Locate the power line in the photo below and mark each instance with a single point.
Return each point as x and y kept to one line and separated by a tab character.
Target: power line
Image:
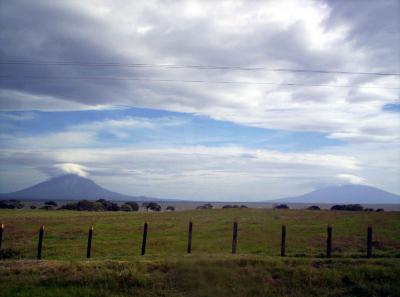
146	79
176	66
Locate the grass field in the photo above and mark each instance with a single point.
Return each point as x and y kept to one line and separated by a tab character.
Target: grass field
117	269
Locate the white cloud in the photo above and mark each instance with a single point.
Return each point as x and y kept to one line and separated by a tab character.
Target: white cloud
195	172
352	179
285	34
66	168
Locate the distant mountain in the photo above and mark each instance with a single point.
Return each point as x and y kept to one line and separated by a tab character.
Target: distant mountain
69	187
345	194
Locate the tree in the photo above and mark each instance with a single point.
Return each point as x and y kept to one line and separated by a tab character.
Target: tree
11	204
52	203
281	206
126	207
134	205
314	207
108	205
152	206
349	207
205	206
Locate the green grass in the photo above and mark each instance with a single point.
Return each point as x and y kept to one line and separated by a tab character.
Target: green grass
117	269
118	235
199	276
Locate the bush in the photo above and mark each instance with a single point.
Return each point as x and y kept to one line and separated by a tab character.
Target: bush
380	210
152	206
133	205
170	208
314	207
205	206
33	207
11	204
52	203
231	206
281	206
84	205
108	205
243	206
349	207
47	207
126	207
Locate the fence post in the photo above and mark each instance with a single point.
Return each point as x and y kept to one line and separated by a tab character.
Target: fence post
369	242
89	243
40	242
1	234
329	242
144	239
189	246
283	241
234	239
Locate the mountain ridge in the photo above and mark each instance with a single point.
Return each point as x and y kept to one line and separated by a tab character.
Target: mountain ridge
69	187
345	194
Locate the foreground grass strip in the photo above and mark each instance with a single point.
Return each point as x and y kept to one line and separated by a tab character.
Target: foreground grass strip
202	276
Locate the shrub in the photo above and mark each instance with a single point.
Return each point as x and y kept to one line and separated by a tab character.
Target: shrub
52	203
152	206
243	206
281	206
33	206
84	205
108	205
231	206
11	204
349	207
133	205
47	207
205	206
126	207
170	208
380	209
314	207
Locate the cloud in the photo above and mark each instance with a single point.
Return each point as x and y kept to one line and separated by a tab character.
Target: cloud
65	168
195	172
270	34
359	36
351	179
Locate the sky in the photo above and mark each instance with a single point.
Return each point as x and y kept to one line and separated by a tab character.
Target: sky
202	100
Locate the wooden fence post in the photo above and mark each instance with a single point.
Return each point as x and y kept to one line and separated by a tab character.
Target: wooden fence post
283	241
234	238
1	234
40	242
144	239
89	243
369	242
189	246
329	242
